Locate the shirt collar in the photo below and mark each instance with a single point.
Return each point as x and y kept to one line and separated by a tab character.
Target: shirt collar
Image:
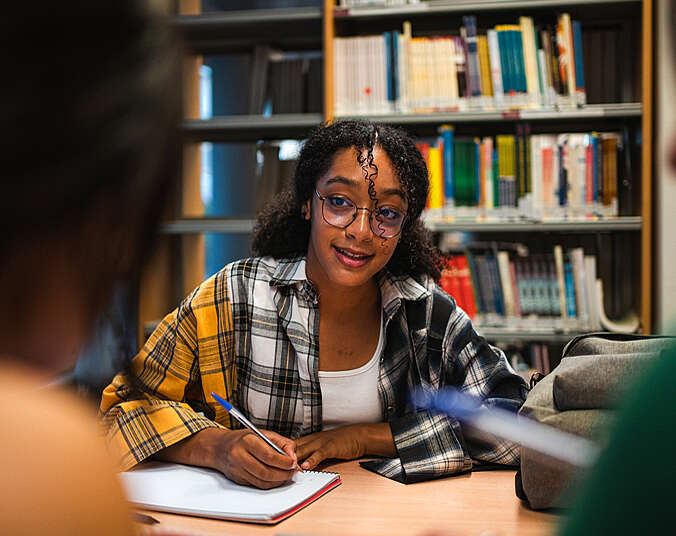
392	288
398	288
289	272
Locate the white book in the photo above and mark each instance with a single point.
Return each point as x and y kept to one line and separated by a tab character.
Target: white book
558	262
196	491
403	106
449	58
406	71
570	64
590	282
339	87
496	71
536	176
579	279
530	60
506	282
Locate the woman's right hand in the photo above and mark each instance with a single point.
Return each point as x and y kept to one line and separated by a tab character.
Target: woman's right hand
240	455
246	459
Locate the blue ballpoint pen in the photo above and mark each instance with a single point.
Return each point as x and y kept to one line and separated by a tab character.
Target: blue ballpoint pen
234	412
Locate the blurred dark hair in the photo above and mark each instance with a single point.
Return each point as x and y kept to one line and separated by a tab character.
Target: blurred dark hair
90	135
281	232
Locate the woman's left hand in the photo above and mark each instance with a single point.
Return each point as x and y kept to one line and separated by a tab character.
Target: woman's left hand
345	443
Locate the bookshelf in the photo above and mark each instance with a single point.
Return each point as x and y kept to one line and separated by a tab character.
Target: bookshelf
636	115
317	27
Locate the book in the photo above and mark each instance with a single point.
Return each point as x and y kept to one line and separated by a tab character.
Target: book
196	491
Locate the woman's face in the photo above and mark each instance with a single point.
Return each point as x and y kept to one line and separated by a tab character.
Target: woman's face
351	256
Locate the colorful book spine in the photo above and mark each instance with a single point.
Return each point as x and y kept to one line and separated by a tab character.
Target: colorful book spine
473	69
448	165
484	66
494	57
580	92
436	174
569	282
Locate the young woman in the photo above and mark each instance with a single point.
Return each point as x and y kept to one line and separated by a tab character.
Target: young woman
319	338
80	205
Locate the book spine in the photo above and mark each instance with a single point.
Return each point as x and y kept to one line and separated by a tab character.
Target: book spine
436	178
473	70
570	290
560	279
466	289
449	165
387	40
494	274
484	66
496	69
580	91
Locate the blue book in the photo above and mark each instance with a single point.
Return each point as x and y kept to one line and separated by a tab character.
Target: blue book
486	287
570	289
396	90
449	164
387	36
505	63
474	74
579	64
520	63
496	285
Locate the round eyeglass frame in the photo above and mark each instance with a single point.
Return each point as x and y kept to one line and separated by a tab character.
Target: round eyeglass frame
354	217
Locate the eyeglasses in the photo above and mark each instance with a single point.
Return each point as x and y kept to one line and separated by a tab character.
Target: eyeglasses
339	211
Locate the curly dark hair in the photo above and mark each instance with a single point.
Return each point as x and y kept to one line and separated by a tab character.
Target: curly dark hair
281	232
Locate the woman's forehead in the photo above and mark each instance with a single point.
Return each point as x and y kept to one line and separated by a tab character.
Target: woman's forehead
346	164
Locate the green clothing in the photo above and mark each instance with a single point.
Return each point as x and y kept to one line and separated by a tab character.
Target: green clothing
631	489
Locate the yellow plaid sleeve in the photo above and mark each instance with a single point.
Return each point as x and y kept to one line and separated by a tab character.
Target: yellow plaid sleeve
151	405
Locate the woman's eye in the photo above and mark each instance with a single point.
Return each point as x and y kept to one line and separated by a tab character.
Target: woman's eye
390	213
339	202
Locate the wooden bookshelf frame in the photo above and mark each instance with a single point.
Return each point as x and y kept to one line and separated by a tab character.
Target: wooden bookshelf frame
647	168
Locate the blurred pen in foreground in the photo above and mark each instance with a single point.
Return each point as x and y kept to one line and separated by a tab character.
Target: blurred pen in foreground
574	450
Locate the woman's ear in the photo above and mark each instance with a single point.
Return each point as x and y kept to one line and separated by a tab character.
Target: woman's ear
305	210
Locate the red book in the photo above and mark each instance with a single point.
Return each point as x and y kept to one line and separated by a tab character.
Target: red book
465	282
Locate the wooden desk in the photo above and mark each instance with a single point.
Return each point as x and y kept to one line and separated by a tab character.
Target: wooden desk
369	504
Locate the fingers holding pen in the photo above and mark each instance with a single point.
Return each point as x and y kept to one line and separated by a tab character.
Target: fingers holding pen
246	459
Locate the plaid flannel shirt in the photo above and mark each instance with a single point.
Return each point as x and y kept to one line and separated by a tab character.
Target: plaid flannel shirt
251	333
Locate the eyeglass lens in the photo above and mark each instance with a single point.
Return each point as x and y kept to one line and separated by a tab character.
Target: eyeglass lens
340	212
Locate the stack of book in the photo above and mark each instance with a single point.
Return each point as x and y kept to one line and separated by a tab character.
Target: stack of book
510	66
539	176
285	82
542	292
374	3
274	172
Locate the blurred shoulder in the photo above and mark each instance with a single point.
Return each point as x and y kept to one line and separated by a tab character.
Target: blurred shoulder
58	478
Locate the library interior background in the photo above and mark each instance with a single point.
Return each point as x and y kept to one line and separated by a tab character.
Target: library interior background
545	127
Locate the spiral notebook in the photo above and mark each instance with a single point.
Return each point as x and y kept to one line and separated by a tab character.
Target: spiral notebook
195	491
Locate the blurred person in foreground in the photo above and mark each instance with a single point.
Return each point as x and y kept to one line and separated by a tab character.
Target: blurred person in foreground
90	147
631	488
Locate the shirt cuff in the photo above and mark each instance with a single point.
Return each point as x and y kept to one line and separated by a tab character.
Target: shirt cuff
137	430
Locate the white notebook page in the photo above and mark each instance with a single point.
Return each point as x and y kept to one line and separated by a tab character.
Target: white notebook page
204	492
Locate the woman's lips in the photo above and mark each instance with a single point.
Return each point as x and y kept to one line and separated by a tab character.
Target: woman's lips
351	258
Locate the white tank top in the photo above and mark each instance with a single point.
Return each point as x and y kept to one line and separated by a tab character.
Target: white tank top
351	396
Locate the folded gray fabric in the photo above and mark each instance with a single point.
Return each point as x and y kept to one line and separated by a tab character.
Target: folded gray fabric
613	344
543	479
596	382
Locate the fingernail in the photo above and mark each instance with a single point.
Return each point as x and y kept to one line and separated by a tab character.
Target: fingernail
306	465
